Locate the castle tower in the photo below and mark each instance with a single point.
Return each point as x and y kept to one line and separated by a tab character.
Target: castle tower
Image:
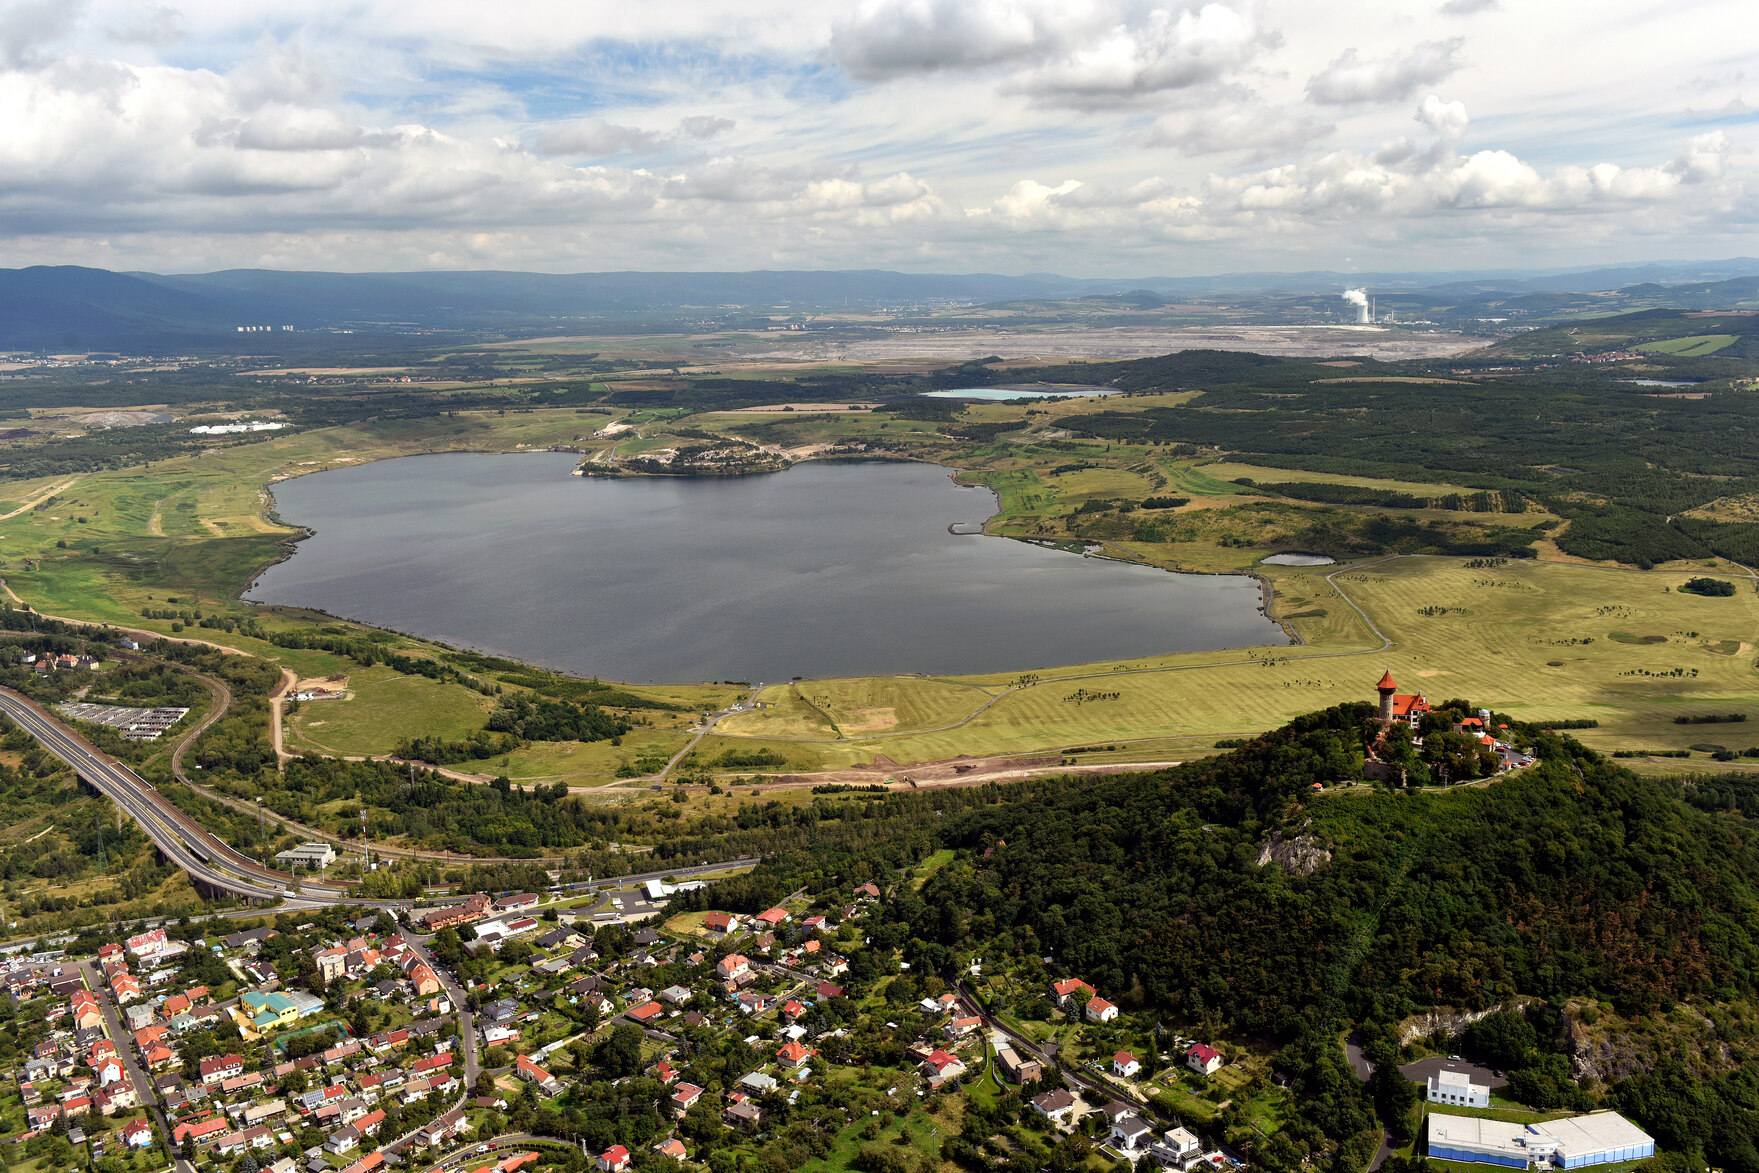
1387	688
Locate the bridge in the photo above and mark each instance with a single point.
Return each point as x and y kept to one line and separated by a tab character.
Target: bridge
216	867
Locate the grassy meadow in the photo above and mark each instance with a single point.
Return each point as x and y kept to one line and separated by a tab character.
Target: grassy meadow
1538	641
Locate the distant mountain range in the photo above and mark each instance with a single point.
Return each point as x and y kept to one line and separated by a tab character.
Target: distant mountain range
64	308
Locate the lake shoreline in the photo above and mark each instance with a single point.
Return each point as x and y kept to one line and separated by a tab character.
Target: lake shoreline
1183	619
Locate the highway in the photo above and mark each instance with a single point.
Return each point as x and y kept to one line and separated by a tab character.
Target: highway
210	862
116	782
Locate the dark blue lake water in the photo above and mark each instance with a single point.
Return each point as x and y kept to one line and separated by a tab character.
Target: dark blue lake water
823	570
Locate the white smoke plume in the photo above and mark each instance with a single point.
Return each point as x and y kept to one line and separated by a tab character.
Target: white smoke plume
1359	299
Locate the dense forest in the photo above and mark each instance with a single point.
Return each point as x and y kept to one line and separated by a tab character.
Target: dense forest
1582	441
1572	880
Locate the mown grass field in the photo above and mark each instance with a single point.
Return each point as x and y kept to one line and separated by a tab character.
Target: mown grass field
1533	640
384	707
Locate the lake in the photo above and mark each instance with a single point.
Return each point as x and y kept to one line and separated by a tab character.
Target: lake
1023	391
824	570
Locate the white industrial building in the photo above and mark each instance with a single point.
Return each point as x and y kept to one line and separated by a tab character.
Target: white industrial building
312	855
1599	1138
1457	1088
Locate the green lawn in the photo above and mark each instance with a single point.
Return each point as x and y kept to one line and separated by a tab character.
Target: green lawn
386	706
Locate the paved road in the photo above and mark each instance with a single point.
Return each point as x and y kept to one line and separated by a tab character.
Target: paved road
125	1050
122	787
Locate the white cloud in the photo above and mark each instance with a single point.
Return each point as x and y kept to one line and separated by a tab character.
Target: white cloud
1253	128
893	38
1165	51
1349	80
702	126
1468	7
1078	135
596	137
27	26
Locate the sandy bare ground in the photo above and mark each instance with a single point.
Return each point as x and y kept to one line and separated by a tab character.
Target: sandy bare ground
1129	342
40	498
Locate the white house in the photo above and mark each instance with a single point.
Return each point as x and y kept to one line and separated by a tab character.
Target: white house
1457	1088
1099	1010
1124	1065
1204	1059
1130	1133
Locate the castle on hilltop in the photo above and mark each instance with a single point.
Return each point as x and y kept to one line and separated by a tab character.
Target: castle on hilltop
1408	707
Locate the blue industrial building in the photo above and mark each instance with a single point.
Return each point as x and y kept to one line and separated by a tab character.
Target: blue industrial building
1599	1138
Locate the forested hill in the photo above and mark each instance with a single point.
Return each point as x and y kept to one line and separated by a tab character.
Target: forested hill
1574	877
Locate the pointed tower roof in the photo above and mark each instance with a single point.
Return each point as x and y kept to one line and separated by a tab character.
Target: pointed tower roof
1386	683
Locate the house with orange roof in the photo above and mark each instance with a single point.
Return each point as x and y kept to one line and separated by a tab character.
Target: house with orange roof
1066	990
1406	707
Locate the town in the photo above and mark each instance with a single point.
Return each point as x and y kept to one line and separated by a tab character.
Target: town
512	1032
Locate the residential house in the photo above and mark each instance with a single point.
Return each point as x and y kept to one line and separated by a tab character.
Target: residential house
771	917
525	1069
1177	1147
721	922
201	1131
732	966
443	1127
218	1068
138	1134
1204	1059
614	1159
744	1115
1066	992
1054	1105
941	1066
793	1055
453	915
1099	1010
1130	1133
1125	1065
684	1097
958	1028
672	1147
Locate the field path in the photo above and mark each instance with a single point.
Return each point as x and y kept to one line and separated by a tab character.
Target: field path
40	498
156	523
289	678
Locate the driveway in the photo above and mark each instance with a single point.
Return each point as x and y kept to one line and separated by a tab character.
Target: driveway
1420	1071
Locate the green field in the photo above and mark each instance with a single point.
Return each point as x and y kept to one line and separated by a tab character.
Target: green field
384	706
1503	638
1693	347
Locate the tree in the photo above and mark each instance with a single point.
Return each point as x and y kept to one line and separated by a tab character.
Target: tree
619	1053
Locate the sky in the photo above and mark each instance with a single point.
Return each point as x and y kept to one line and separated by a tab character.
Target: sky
1099	138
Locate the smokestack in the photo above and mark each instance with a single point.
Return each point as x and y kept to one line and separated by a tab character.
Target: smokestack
1359	299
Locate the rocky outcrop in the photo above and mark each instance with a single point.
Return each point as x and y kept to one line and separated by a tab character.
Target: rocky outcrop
1300	855
1452	1022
